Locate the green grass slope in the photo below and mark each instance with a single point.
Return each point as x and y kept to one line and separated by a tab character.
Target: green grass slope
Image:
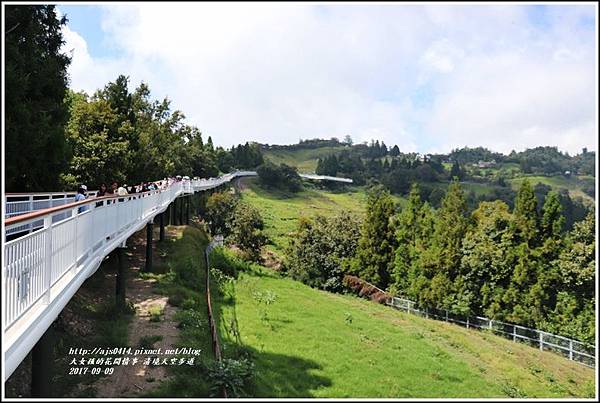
305	159
310	343
281	210
573	184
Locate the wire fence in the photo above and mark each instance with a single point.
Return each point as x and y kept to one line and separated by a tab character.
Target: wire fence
572	349
216	242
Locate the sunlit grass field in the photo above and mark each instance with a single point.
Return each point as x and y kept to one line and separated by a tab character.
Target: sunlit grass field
572	184
311	343
305	160
281	210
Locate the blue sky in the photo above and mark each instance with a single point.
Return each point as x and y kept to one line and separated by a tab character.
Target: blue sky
426	77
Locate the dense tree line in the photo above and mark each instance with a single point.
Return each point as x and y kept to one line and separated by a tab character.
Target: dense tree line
516	264
120	135
468	155
56	138
280	176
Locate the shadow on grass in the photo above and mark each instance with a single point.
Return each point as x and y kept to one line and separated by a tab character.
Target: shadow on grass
279	375
275	375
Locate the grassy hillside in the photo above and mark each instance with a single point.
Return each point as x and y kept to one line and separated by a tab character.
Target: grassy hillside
572	184
305	160
310	343
281	210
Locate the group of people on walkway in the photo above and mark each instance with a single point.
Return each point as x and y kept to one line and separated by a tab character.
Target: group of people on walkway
123	190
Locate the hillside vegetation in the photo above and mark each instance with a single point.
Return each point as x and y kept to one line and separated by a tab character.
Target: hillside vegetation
304	159
281	210
310	343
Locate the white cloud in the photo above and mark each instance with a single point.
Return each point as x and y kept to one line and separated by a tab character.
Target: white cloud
277	73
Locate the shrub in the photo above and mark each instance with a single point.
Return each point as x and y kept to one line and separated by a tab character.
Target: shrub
191	318
246	231
219	212
233	375
318	248
227	262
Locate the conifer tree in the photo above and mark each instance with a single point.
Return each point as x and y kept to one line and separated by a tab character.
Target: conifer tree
36	85
374	255
407	233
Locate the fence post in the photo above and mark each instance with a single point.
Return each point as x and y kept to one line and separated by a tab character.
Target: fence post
541	341
426	314
570	349
446	314
491	324
514	333
467	322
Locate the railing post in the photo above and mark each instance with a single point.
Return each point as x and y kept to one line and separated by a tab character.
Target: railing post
514	333
48	257
491	324
446	314
467	322
541	341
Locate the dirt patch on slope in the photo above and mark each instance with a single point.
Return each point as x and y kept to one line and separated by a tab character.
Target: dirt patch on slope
133	380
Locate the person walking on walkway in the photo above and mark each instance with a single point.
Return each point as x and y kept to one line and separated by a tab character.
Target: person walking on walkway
81	195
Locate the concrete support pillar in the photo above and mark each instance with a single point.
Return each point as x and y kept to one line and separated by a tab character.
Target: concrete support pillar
149	235
121	278
161	233
188	201
42	357
181	200
174	212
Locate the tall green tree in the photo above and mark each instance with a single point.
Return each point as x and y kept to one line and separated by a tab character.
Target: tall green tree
35	109
101	151
526	215
408	228
449	231
524	296
488	257
574	310
375	252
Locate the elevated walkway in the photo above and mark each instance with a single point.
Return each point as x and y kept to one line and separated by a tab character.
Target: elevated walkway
61	246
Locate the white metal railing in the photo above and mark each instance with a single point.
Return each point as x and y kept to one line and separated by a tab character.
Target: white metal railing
47	260
22	203
573	349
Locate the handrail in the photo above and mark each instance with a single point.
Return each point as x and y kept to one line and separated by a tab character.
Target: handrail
68	206
66	244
